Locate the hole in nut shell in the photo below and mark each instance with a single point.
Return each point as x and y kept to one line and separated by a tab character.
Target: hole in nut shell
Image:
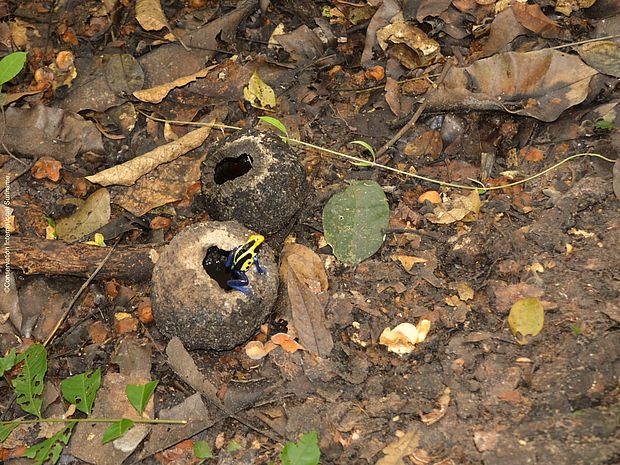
232	168
214	264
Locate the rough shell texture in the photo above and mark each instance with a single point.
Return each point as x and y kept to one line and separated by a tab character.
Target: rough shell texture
189	304
266	197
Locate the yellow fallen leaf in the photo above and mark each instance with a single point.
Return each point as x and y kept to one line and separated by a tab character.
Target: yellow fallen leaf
150	15
259	94
526	318
465	291
158	93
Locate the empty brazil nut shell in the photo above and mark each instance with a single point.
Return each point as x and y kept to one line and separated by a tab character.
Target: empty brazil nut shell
191	300
256	179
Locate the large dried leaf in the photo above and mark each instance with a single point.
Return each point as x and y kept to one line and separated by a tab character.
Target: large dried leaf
603	56
396	451
308	317
126	174
44	131
532	18
158	93
90	216
541	84
504	29
408	44
150	15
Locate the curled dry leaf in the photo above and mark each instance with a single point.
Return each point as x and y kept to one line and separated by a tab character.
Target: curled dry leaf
403	338
150	15
437	414
407	261
286	342
158	93
459	208
408	44
129	172
256	350
532	18
46	168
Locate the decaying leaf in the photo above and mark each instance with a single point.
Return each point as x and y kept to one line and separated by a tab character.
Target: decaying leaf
526	318
129	172
308	317
403	338
459	208
90	216
532	18
286	342
46	167
257	350
150	15
407	261
396	451
408	44
437	414
603	56
259	94
158	93
307	265
541	84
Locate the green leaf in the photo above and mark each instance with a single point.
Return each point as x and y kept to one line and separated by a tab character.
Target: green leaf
526	318
368	147
98	241
233	446
81	390
6	429
28	385
604	124
274	122
51	448
354	220
305	452
11	65
7	362
139	394
116	430
202	450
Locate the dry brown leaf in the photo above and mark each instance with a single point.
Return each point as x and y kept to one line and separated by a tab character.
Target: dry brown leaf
465	291
150	15
459	208
46	167
308	315
603	56
408	44
158	93
407	261
437	414
396	451
541	84
403	338
504	29
129	172
532	18
308	267
286	342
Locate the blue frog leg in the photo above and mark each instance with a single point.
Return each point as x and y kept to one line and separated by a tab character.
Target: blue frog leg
240	282
261	270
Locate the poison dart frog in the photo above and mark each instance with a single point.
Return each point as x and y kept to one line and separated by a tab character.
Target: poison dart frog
241	259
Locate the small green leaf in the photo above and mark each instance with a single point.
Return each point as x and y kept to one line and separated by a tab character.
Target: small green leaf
305	452
233	446
139	394
604	124
81	390
28	384
99	240
368	147
51	448
274	122
6	429
7	362
354	220
11	65
526	318
202	450
116	430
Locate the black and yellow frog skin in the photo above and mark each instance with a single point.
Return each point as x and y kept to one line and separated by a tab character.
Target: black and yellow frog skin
241	259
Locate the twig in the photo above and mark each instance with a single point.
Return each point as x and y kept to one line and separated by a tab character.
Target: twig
418	113
79	292
587	41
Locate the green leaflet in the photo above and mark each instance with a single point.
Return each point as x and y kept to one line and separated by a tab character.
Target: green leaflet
139	394
353	221
28	385
81	390
305	452
116	430
51	448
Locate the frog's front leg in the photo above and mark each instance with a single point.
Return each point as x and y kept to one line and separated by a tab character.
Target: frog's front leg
240	282
261	270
